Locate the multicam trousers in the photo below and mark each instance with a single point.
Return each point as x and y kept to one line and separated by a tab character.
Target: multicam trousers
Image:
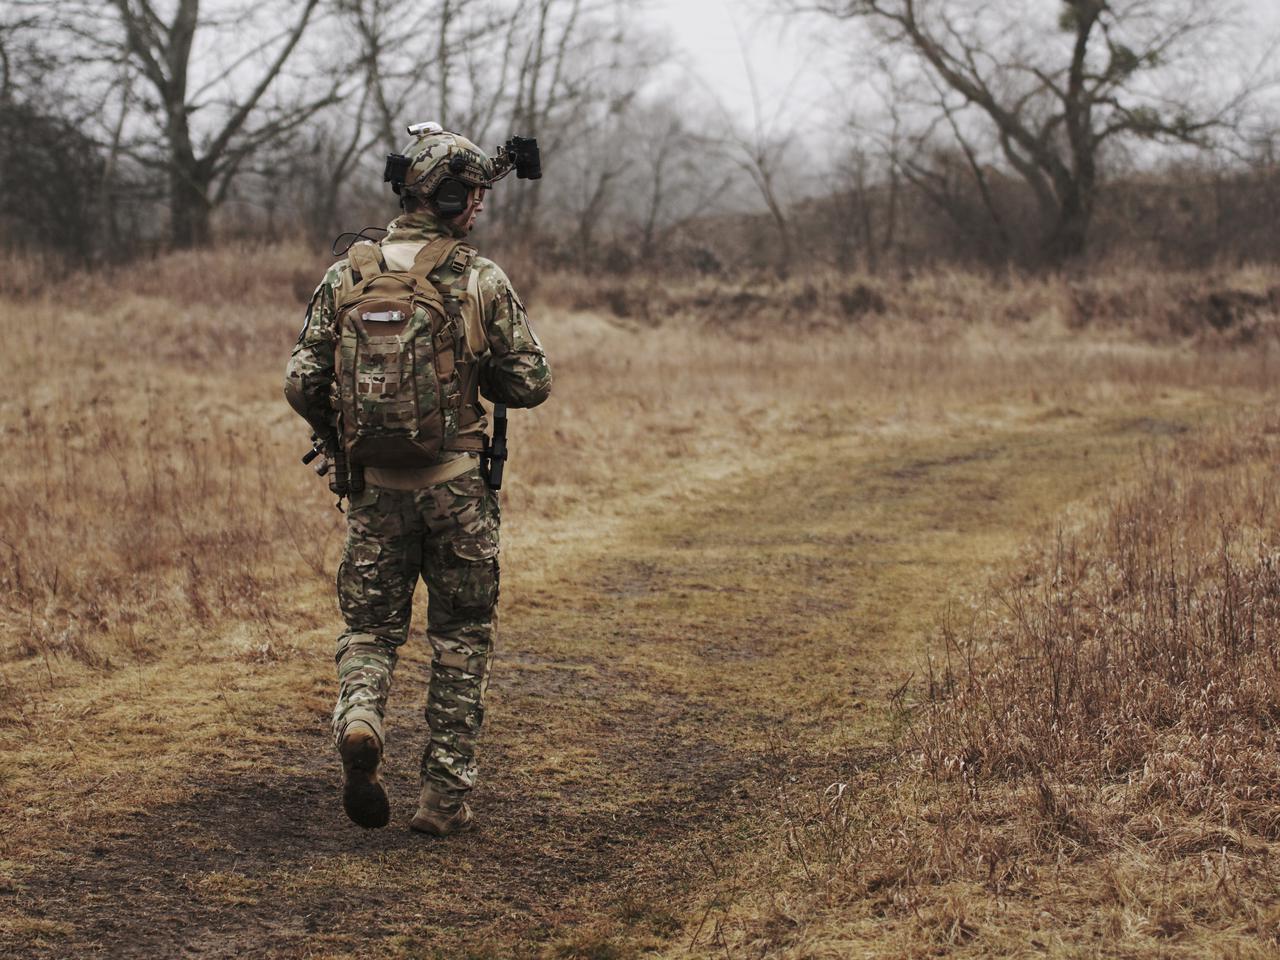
448	535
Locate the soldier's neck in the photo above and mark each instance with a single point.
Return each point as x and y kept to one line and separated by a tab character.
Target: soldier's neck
420	225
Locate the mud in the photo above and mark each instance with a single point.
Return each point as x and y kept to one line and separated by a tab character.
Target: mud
142	892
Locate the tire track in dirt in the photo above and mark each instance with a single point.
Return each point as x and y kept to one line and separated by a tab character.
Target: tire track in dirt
651	695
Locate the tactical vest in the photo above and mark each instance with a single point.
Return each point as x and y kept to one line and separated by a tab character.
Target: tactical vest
407	383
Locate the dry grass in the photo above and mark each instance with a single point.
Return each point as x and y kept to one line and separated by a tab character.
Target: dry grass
165	581
1235	306
1096	767
150	481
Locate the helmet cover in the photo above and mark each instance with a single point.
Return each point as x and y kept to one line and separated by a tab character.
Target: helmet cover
436	154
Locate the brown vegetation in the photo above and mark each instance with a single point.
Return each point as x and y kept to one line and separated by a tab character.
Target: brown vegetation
748	478
1095	766
1210	309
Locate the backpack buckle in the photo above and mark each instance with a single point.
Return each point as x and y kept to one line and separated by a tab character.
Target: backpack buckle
461	260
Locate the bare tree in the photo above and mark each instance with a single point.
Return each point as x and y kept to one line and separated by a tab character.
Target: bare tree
541	85
208	101
460	85
941	159
1057	96
602	141
761	149
50	166
676	178
565	71
380	28
864	206
762	157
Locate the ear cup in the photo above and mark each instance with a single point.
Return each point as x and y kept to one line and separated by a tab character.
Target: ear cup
450	198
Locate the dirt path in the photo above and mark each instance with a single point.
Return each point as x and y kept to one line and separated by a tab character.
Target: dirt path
654	690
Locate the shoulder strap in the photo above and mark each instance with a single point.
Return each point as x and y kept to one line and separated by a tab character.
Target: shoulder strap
475	321
459	271
453	275
446	264
432	255
366	261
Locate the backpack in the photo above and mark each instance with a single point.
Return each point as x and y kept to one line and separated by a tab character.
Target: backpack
407	384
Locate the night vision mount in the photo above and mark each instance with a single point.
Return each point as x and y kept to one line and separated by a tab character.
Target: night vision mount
395	170
521	155
518	153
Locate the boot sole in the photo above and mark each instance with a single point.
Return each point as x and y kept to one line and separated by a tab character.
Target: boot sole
363	797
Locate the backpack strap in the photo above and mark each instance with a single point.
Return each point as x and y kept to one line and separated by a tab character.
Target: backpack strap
432	255
453	275
457	274
446	264
366	261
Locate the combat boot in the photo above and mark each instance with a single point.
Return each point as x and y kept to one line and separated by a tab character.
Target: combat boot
363	796
440	814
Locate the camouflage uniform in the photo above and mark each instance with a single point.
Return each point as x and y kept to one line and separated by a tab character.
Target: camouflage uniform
407	524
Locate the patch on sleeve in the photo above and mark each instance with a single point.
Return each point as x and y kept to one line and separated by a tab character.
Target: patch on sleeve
520	318
311	306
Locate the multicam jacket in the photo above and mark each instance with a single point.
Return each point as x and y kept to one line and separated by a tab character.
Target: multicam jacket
513	366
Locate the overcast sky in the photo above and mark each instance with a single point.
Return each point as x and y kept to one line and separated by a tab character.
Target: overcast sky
712	36
786	57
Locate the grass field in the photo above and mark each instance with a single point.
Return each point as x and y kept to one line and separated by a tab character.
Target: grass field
840	618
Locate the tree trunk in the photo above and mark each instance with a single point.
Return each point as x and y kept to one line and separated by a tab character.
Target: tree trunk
890	222
1069	236
189	206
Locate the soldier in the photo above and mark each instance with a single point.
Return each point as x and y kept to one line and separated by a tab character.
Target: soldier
401	338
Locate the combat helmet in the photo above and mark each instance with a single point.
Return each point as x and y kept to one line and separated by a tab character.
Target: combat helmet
440	168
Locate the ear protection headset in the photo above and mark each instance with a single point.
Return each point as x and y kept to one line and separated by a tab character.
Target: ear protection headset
451	195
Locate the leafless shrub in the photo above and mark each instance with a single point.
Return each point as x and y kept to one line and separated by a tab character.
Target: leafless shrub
1142	655
1104	722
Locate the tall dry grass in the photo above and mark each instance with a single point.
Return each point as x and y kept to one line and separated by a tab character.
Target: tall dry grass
1142	654
144	500
152	489
1095	765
